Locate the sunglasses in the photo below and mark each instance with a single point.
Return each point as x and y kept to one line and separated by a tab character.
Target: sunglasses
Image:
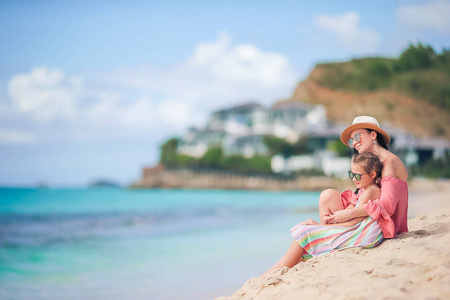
356	138
357	176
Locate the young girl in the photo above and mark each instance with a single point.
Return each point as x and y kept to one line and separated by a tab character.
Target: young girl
312	239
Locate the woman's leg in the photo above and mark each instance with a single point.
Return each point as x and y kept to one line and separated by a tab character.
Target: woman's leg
290	259
329	201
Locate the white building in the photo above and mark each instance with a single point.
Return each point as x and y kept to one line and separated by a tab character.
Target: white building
240	130
323	160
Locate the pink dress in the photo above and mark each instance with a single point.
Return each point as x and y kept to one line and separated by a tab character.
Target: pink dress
320	239
390	210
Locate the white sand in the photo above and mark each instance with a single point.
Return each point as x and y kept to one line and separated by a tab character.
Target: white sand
415	265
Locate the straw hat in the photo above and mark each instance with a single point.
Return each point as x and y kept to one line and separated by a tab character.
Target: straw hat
364	122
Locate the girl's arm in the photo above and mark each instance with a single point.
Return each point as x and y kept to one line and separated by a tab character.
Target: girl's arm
343	215
370	194
348	223
312	222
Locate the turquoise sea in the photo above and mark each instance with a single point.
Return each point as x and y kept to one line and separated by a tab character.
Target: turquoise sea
141	244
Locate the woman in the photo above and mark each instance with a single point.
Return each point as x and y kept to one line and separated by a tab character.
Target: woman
389	210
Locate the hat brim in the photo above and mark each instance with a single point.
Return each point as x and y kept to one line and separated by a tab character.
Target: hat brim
345	135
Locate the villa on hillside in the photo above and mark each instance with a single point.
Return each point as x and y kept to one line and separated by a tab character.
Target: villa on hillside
240	130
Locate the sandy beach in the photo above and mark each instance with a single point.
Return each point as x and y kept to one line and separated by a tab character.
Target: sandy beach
415	265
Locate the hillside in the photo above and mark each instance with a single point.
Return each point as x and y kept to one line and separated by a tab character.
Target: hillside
411	92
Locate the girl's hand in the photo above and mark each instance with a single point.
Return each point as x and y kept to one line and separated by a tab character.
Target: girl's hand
339	216
309	222
328	219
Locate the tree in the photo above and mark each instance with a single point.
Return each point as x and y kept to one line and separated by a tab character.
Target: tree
277	145
339	148
413	58
169	153
301	146
436	168
212	158
379	69
236	163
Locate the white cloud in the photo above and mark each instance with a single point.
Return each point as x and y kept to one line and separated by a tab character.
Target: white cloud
240	63
148	101
434	15
346	29
49	98
218	73
46	94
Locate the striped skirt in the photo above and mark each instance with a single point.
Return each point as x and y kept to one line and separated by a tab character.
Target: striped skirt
316	240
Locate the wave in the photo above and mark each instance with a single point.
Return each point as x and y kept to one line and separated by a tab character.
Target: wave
21	230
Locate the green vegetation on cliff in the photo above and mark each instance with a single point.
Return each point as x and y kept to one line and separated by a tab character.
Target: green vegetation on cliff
213	159
419	72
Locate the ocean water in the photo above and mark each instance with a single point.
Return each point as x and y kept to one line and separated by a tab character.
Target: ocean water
141	244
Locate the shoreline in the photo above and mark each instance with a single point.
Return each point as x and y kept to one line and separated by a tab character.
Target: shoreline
414	265
208	179
162	178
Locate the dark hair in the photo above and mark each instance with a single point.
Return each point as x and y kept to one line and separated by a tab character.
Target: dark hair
369	162
380	140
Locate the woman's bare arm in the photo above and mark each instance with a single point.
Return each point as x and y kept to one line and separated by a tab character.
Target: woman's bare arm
352	216
350	206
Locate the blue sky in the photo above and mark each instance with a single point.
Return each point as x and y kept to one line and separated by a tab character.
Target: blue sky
90	89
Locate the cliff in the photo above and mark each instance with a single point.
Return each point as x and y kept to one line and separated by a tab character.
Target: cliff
415	99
